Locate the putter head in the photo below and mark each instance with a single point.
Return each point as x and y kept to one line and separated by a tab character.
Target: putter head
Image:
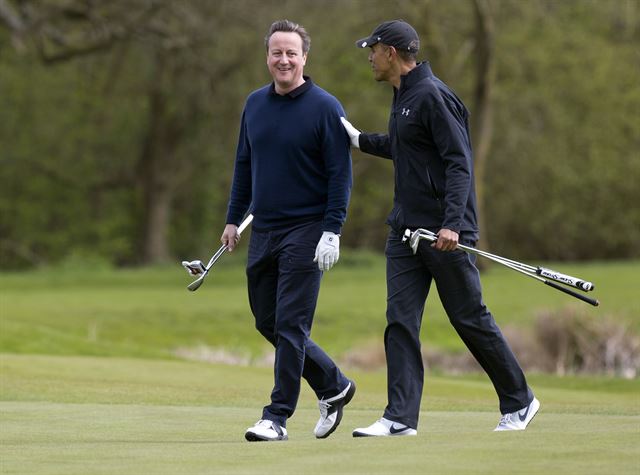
194	267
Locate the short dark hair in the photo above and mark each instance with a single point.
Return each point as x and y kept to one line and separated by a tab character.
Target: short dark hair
407	57
289	27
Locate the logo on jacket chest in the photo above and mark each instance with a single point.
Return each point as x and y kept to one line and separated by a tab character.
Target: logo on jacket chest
405	111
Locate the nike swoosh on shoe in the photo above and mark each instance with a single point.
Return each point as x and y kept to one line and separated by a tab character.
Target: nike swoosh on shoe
393	429
522	417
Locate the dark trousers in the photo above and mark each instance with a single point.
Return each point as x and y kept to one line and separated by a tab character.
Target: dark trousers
457	280
283	286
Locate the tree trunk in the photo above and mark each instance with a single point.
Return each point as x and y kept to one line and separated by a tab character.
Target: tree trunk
157	201
155	172
482	113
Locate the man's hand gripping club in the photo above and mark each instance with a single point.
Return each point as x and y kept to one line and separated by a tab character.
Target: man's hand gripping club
230	236
447	240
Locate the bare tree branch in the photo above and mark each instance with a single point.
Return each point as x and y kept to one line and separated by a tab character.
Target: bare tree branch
11	18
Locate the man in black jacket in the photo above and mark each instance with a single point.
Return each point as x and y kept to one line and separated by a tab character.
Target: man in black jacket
428	141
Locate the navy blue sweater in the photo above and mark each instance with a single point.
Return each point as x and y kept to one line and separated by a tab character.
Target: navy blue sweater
293	161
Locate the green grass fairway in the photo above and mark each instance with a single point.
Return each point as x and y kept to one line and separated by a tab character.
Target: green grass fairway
91	383
88	415
149	313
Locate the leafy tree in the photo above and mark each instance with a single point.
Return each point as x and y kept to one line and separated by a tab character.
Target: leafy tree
119	119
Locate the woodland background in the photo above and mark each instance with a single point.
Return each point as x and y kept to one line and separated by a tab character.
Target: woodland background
119	120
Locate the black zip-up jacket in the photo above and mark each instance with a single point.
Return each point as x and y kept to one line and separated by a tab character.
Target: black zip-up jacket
430	146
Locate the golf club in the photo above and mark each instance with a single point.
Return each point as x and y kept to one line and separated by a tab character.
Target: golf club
195	285
537	273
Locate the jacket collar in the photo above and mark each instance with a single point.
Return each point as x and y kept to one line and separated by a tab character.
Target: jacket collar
417	74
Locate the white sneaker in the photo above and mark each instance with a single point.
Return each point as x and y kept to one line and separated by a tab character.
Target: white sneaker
518	420
265	430
331	411
383	428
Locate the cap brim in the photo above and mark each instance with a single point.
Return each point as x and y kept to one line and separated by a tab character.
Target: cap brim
368	41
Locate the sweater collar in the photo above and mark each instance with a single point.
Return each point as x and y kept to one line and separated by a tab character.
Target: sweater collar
302	88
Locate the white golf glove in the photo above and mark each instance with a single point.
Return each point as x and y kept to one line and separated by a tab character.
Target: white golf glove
354	134
327	251
194	267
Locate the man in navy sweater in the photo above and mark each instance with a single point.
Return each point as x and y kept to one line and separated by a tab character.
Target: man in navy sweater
293	169
428	141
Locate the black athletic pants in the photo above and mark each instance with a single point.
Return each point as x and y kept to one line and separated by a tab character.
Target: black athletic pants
457	280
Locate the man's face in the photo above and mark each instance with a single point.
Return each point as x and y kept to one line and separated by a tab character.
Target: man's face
286	60
380	60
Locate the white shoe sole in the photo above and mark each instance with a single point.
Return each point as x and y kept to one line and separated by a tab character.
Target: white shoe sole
347	394
253	437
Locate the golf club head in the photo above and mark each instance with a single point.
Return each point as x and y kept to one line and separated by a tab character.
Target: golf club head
195	285
194	267
421	233
415	240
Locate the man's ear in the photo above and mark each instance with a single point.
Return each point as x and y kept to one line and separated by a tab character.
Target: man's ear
392	52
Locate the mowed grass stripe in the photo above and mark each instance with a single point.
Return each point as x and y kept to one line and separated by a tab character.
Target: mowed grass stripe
138	381
81	415
55	438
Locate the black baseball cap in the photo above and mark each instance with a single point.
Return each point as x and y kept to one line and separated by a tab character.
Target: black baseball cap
396	33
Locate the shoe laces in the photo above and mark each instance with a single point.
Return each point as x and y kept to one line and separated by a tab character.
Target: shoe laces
264	423
324	407
505	419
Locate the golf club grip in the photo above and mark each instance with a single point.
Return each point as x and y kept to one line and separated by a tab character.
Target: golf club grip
245	223
565	279
584	298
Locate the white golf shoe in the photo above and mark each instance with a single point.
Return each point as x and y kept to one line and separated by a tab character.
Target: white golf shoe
265	430
331	411
518	420
384	428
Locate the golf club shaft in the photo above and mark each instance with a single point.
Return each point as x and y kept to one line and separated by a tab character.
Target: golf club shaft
519	268
541	271
556	286
215	257
544	272
482	253
224	247
195	285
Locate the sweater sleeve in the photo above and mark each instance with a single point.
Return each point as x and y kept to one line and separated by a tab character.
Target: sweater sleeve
241	192
337	159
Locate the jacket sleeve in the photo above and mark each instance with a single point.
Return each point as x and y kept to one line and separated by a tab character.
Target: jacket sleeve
376	144
448	123
241	191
